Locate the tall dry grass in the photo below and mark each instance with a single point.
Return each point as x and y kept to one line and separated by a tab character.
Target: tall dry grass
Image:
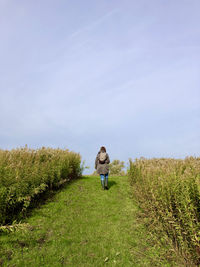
25	173
168	191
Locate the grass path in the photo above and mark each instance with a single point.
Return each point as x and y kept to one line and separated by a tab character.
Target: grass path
82	225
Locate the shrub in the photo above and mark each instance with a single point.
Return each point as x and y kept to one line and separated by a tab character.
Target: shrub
116	168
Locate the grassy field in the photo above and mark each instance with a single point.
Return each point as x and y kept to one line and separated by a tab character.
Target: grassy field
82	225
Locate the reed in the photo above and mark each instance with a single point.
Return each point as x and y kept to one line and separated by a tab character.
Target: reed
168	191
26	173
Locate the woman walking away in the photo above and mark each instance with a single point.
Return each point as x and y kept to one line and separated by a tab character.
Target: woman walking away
102	166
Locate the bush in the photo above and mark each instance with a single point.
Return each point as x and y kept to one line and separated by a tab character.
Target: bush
116	168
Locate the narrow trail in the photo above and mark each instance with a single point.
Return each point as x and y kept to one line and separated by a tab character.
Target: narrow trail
83	226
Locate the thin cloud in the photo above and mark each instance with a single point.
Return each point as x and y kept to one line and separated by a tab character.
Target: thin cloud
94	24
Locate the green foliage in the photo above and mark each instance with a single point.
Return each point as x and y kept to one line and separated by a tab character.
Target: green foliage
169	192
116	168
84	226
25	173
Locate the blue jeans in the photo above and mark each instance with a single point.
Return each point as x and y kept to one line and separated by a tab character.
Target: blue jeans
104	175
106	178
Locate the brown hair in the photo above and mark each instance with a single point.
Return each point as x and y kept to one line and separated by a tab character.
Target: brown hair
103	149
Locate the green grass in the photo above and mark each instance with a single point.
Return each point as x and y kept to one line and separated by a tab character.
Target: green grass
82	225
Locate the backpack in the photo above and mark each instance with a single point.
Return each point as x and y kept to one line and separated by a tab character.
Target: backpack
102	157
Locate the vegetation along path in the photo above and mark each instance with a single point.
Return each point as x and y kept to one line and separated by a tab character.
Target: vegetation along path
82	225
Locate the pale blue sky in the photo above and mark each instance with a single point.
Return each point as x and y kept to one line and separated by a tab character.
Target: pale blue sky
81	74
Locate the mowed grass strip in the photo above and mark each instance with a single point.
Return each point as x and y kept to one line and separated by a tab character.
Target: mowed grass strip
82	225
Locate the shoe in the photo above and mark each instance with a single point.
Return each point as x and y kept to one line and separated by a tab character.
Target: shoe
106	187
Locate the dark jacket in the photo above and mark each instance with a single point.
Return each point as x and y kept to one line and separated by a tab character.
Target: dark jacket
102	168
